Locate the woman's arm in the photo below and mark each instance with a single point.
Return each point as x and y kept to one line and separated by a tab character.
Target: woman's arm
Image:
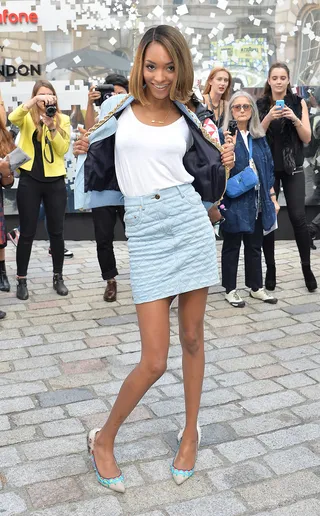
3	114
60	141
6	176
302	126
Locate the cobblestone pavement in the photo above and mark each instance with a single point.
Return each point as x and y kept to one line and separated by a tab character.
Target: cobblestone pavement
62	361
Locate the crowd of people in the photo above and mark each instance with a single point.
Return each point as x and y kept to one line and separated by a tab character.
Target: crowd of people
173	167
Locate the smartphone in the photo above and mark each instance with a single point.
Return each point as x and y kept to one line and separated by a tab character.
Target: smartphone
232	127
280	104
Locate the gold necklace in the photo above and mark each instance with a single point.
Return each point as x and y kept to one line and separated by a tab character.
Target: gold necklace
161	121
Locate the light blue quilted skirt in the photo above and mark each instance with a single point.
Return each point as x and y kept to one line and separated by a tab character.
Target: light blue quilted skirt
171	243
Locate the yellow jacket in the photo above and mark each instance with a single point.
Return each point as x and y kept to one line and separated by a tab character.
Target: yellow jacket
60	145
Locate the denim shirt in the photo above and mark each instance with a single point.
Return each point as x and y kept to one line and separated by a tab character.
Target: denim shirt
240	213
204	159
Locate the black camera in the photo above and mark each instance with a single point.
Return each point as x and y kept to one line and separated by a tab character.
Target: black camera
232	127
51	110
106	91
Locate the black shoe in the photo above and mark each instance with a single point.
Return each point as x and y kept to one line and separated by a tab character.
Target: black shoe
270	281
310	280
22	289
59	285
2	314
4	282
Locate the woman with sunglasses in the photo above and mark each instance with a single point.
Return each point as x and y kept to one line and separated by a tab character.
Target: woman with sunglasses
45	137
285	119
216	93
247	215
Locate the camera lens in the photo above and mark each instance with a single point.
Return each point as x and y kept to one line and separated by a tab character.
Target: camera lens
51	110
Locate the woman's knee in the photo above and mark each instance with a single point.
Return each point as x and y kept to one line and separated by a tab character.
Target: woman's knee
156	367
192	339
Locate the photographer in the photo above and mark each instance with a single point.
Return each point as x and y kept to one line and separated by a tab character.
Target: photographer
105	217
45	137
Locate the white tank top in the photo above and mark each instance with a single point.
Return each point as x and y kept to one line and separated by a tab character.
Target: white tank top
149	158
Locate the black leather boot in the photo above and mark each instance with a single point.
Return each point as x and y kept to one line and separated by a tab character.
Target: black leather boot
270	281
4	282
22	289
59	285
310	280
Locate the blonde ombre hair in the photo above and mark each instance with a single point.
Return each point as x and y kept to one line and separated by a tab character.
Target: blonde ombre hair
176	46
214	72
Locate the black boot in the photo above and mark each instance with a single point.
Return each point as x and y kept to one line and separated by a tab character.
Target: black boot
270	281
310	280
2	314
4	282
22	289
59	285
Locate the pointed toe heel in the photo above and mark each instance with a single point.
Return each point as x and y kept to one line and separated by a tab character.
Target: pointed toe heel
114	483
181	475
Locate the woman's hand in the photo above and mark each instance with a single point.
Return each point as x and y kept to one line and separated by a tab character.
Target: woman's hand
81	145
228	156
276	205
46	99
93	95
288	113
5	172
215	215
275	113
48	121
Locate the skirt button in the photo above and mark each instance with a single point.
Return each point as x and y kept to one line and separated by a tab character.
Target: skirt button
157	196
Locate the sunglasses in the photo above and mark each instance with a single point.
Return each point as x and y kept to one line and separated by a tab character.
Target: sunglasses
238	107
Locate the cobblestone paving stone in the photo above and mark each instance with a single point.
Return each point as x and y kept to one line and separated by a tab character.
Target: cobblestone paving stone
62	361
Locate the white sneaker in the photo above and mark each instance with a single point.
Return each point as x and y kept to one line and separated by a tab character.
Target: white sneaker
234	299
263	295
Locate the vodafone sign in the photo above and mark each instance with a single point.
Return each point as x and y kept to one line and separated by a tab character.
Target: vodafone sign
7	17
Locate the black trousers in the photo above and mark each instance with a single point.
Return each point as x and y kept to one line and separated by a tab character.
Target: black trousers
30	194
252	257
294	192
104	221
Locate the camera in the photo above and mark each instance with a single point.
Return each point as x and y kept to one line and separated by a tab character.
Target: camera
232	127
106	91
51	110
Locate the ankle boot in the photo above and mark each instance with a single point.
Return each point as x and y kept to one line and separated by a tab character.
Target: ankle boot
59	285
22	289
4	282
270	281
310	280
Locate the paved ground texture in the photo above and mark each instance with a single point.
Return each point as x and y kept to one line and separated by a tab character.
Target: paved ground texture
62	361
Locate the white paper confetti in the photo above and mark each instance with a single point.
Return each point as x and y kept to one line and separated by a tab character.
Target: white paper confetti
221	26
257	22
175	18
50	67
270	52
150	16
78	34
212	15
6	42
18	60
8	61
222	4
158	11
228	11
182	9
77	59
269	11
112	41
284	38
189	31
264	31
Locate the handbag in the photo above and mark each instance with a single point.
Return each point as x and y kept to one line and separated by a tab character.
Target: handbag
245	180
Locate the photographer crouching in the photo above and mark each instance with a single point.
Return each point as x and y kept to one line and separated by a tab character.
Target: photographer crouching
105	217
45	137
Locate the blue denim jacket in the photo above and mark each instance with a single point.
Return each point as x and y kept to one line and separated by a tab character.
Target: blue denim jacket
241	212
96	183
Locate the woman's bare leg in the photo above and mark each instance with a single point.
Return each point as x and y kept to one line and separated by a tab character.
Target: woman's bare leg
191	328
153	321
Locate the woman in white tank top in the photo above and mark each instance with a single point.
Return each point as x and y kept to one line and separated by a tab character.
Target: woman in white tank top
170	239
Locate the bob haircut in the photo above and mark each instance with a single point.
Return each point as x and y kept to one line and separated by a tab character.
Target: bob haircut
267	88
176	46
254	126
214	72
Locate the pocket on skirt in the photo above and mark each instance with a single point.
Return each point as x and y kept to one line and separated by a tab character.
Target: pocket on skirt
193	198
132	216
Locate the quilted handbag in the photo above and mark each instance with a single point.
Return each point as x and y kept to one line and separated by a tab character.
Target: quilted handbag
244	181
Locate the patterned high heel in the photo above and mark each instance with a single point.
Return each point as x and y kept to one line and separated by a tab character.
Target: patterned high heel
115	483
181	475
